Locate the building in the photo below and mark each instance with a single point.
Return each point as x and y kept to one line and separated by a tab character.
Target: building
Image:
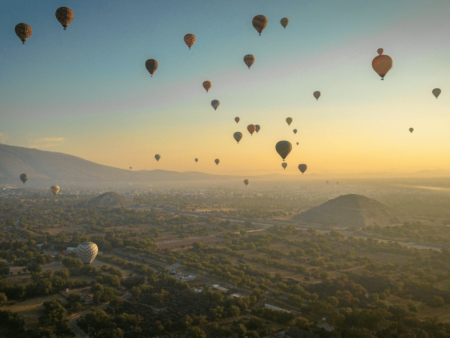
216	287
88	299
276	308
235	295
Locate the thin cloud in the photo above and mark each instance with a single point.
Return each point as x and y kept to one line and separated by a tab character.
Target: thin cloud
4	138
47	142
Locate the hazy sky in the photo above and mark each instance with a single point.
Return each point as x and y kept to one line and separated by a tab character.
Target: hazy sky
86	92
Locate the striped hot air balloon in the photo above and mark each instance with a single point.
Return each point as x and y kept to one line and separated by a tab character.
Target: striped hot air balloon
283	148
249	59
259	22
87	252
237	136
284	22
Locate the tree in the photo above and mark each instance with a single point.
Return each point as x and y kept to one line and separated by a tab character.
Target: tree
196	332
3	298
333	301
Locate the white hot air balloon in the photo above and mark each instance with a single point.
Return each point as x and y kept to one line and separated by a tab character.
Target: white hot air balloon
87	252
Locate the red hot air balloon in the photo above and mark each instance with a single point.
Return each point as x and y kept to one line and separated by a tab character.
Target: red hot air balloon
251	129
382	64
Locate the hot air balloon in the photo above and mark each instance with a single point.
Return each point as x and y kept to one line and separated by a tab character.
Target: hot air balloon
283	148
54	189
411	130
295	131
436	92
131	168
237	136
237	119
65	16
382	63
23	178
196	160
23	31
257	128
289	120
284	22
251	129
87	251
249	59
157	156
297	143
215	104
302	168
317	95
217	161
207	85
246	182
284	165
259	22
189	39
151	65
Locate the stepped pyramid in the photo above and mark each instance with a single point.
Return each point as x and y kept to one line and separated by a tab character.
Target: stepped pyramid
354	211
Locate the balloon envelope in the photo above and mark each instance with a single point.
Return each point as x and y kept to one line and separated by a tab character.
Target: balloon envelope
289	120
215	104
207	85
151	65
257	128
23	31
284	22
382	64
284	165
196	160
23	178
246	182
259	22
189	39
217	161
436	92
237	136
295	131
302	167
157	156
65	16
87	252
283	148
251	129
237	119
411	130
317	95
54	189
249	59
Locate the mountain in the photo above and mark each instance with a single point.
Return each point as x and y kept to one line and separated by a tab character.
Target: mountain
111	200
354	211
46	166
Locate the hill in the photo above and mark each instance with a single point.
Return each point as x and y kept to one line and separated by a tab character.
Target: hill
351	210
111	200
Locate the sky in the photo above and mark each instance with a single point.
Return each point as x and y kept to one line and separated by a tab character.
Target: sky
85	91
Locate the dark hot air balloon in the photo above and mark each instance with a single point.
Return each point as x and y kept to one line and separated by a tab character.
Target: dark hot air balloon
217	161
237	119
189	39
251	129
297	143
246	182
317	95
207	85
283	148
382	63
289	120
65	16
54	189
131	168
257	128
237	136
284	22
23	178
23	31
259	22
215	104
196	160
284	165
436	92
157	156
295	131
249	59
411	130
302	168
151	65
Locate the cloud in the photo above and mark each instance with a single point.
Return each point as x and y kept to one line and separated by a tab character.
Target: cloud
4	138
46	142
